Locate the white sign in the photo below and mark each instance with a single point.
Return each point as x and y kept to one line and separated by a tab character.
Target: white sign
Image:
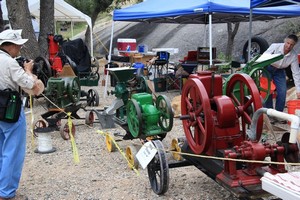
146	154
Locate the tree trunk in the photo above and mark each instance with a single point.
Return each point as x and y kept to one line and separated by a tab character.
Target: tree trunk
46	25
231	36
19	17
99	6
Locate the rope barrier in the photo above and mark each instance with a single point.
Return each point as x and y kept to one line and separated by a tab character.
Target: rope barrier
76	156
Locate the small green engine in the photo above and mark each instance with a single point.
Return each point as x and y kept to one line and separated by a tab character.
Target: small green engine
148	119
63	91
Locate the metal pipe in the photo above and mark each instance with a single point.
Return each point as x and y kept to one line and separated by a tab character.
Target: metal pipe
295	121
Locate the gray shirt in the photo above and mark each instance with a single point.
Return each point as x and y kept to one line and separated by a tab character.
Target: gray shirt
289	59
12	75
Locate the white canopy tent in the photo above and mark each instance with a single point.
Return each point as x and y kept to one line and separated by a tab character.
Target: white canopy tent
62	12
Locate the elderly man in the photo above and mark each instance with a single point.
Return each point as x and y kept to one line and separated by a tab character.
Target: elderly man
13	135
277	71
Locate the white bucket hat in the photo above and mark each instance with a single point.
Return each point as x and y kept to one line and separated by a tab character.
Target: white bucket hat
12	36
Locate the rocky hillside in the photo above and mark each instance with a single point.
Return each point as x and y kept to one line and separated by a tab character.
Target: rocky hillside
191	36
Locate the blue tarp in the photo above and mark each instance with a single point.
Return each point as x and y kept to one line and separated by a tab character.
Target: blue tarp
196	11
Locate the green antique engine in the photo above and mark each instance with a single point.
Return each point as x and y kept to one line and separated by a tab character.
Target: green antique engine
148	118
63	91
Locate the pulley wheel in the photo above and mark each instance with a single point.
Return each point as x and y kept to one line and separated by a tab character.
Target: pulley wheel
130	155
64	131
39	124
42	69
110	145
158	170
238	87
74	90
134	118
198	125
176	148
166	114
89	118
256	74
144	85
92	98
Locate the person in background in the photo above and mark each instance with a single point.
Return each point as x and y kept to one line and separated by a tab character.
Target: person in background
13	135
277	71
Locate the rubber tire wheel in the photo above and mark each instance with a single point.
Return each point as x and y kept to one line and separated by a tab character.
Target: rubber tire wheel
262	44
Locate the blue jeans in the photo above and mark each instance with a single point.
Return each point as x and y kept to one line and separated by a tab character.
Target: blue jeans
279	78
12	155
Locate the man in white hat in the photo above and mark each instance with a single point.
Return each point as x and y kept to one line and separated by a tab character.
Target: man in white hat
13	135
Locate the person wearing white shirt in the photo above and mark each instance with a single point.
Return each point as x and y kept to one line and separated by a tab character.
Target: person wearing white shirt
277	70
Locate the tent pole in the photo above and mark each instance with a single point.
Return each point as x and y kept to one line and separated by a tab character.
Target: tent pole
72	28
92	42
109	57
210	40
250	34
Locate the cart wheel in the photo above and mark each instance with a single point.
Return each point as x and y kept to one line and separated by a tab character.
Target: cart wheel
39	124
134	118
176	148
130	155
89	118
64	131
245	95
158	170
92	98
110	145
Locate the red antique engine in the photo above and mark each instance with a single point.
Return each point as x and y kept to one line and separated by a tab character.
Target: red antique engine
216	122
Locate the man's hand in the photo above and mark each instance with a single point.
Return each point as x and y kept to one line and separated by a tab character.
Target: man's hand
28	66
298	95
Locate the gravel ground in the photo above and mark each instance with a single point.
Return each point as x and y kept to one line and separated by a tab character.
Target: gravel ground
101	174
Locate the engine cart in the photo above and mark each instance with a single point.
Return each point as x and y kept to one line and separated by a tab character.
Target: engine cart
63	95
135	110
220	128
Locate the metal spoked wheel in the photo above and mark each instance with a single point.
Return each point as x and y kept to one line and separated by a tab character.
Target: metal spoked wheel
134	118
144	85
198	121
257	75
89	118
130	155
92	98
166	114
65	131
42	69
74	90
158	170
39	124
110	145
238	87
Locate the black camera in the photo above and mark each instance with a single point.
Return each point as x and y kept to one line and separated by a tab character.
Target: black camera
21	60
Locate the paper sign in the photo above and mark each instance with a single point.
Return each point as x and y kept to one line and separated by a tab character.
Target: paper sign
146	154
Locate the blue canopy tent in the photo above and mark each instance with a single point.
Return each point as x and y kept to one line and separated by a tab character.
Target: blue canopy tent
265	3
198	12
201	12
